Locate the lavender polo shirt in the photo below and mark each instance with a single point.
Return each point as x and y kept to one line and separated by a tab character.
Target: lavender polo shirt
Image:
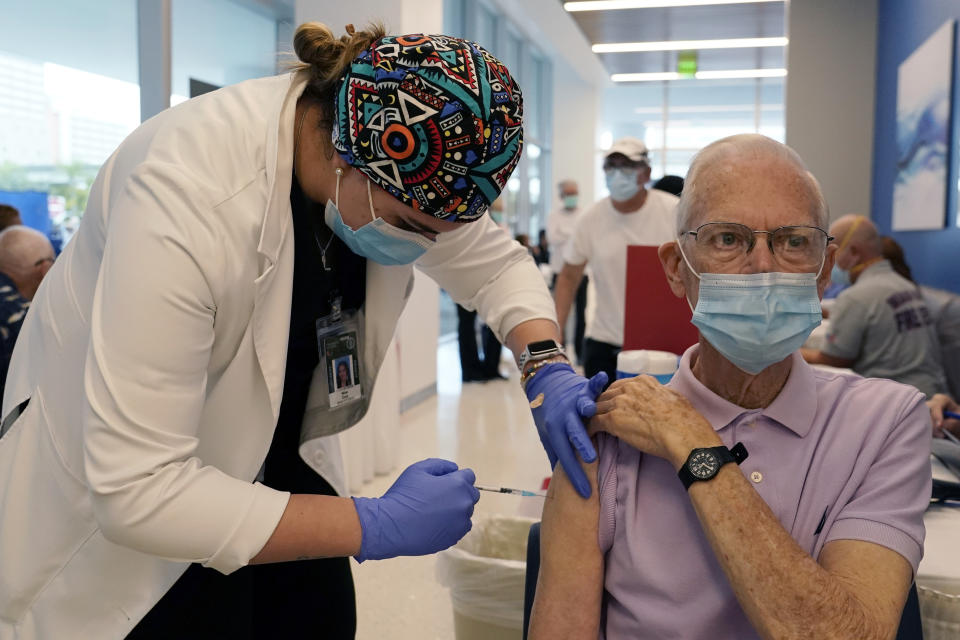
835	456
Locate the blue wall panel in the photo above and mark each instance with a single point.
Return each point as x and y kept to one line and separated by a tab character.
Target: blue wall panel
902	26
32	206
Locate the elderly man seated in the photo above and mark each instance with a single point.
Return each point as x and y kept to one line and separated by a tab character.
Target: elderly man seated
815	530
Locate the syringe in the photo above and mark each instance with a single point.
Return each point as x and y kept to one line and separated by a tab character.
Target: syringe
515	492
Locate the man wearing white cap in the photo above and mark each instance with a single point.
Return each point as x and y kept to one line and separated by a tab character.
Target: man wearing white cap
631	215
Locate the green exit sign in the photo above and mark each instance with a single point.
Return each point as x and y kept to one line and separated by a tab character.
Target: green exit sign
687	64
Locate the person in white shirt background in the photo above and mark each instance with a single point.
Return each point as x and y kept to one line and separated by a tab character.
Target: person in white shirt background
631	215
560	225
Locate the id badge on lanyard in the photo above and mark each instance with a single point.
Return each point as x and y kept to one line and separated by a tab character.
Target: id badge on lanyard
338	339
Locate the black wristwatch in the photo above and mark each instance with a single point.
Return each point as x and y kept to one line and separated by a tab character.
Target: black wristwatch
704	463
540	350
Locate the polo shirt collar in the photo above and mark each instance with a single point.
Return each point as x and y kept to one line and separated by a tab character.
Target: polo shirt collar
794	407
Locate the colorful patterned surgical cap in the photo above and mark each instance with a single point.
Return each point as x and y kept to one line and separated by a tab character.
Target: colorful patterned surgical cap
436	121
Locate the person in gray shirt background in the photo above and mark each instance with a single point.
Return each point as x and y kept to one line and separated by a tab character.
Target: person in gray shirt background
880	325
945	308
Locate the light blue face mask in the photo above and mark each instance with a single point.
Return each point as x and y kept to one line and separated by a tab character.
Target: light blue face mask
756	319
622	183
839	276
378	240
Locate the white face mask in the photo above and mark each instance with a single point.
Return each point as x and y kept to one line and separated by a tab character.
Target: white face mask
622	183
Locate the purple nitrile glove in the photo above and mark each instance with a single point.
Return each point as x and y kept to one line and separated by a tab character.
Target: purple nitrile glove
426	510
568	398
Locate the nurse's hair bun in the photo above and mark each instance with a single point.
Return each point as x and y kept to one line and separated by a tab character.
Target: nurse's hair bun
327	57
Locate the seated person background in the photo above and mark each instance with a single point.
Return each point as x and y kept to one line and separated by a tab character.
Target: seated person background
818	532
880	325
944	306
25	257
9	216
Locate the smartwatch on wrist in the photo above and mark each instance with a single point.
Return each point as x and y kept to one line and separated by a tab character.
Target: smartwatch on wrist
540	350
704	463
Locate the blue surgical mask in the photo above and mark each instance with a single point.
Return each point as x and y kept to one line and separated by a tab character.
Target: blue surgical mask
756	319
378	240
622	183
839	276
569	202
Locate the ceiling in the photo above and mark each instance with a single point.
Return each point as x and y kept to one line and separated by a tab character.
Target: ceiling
763	19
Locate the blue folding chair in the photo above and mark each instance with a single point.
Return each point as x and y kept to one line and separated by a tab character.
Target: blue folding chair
533	571
911	627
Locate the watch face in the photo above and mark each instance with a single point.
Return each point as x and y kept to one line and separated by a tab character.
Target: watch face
704	464
542	347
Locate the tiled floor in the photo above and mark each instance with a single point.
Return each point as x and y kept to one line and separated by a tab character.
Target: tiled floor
484	426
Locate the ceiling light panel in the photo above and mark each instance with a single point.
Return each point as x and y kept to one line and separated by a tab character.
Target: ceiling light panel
688	45
700	75
609	5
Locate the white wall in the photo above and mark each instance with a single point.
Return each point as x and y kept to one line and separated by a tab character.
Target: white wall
420	16
418	334
831	63
576	117
356	12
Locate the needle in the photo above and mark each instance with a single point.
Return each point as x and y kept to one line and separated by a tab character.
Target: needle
515	492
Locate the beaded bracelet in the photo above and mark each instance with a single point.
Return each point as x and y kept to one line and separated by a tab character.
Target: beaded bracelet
529	373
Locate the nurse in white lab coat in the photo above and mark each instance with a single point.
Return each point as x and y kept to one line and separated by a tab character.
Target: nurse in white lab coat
170	404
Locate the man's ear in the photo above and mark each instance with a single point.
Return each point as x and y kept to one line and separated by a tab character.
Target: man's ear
824	278
670	259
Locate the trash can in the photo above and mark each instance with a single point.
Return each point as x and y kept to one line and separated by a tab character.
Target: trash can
485	573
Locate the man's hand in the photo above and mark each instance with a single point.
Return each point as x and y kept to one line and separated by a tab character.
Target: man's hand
652	418
938	404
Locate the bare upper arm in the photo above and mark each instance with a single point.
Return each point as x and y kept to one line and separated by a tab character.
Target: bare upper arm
570	584
573	271
878	577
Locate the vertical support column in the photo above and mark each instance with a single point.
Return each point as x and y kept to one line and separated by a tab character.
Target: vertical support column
829	101
153	45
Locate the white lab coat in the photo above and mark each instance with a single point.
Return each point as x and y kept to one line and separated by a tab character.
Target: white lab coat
154	355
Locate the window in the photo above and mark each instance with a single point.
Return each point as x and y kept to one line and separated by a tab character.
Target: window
70	93
66	99
525	197
676	119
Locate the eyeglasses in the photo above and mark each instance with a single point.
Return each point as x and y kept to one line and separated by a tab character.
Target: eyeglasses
798	247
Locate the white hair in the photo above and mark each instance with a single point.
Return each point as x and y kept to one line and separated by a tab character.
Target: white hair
748	146
20	248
